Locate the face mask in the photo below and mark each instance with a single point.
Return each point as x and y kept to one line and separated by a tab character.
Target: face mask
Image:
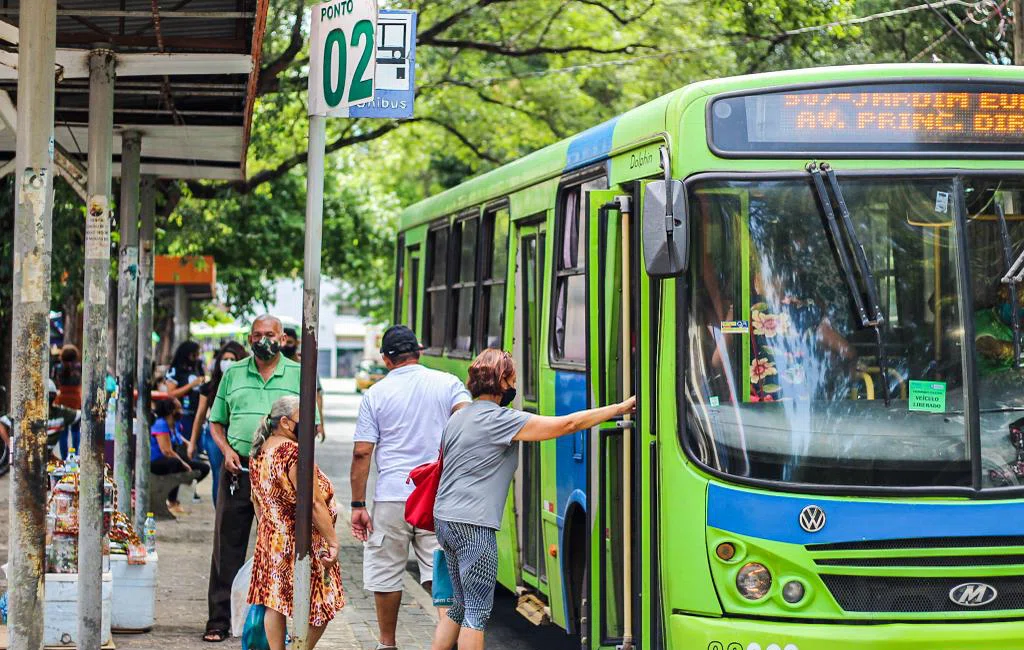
507	396
225	364
265	349
289	351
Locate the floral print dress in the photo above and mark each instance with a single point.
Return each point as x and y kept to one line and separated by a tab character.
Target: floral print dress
273	565
783	345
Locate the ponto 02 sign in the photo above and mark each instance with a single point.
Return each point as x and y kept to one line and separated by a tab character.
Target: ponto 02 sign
343	55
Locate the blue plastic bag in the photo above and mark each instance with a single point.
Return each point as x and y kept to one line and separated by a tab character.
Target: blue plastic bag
441	590
254	635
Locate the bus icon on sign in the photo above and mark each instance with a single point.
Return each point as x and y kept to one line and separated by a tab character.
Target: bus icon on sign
393	46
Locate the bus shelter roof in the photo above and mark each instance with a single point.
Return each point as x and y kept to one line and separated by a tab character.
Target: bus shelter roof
186	79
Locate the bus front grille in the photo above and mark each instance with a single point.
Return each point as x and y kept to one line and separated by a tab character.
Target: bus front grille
941	560
922	542
911	595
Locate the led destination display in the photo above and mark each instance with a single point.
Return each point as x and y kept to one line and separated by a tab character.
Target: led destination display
872	118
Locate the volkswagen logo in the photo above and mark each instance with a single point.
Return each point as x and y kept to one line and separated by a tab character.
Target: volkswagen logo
812	519
973	594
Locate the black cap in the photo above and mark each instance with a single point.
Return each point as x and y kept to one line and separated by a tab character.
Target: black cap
291	331
398	339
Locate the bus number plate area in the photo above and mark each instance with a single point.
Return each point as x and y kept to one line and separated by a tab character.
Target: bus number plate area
924	118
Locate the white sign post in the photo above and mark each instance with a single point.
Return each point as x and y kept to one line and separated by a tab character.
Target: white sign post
343	57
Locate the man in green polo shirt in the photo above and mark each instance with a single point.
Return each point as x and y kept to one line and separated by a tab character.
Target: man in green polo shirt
246	393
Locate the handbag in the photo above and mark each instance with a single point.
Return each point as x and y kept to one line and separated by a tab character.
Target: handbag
419	507
254	636
441	588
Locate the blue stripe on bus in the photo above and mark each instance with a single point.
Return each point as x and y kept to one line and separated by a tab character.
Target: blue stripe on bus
570	451
593	144
776	517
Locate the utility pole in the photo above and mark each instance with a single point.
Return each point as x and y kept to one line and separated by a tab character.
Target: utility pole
145	350
94	365
307	380
127	316
30	325
1018	32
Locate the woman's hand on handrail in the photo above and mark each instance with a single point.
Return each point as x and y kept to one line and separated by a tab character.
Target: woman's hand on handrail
540	427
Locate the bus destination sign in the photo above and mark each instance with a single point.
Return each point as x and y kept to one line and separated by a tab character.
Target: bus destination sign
879	118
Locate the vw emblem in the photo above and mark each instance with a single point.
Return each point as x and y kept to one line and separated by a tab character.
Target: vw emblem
812	519
973	594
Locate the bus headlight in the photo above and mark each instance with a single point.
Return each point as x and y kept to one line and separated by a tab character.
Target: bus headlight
753	581
793	592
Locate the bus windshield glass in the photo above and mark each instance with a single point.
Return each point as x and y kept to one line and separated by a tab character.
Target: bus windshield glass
785	382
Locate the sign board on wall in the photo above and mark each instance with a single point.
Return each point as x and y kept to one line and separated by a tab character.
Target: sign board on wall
343	56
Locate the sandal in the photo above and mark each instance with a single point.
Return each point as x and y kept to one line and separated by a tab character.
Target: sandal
216	636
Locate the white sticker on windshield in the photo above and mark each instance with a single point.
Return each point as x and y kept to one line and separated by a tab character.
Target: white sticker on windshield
942	202
713	400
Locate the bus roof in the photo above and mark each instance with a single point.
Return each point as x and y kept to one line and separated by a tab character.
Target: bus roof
649	119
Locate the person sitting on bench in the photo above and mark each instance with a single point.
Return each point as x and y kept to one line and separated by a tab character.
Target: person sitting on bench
167	449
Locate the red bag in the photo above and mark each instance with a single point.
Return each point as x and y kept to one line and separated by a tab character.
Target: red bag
419	507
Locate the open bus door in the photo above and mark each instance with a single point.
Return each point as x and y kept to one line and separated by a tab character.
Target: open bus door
610	379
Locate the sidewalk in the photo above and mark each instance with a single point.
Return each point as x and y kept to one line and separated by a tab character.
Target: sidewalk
184	548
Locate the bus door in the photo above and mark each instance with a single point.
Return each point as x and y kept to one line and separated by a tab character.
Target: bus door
526	350
610	380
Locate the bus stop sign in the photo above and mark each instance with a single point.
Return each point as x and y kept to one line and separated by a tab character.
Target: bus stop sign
396	67
343	55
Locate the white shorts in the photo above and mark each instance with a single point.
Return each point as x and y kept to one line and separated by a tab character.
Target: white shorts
386	553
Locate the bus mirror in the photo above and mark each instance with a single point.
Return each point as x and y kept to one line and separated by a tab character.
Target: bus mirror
665	229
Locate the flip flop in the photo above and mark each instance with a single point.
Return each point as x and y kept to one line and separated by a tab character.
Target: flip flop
216	636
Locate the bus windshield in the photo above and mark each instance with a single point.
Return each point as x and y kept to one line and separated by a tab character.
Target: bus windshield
786	384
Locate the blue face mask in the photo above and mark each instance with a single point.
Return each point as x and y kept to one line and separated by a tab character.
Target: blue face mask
1006	313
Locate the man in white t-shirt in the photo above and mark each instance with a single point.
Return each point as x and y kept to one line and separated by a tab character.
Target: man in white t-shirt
401	419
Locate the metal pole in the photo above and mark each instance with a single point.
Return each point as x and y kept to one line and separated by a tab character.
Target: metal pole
127	315
181	315
307	399
145	353
1018	32
30	325
91	536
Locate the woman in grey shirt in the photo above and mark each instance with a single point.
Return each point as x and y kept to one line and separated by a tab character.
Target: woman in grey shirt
479	460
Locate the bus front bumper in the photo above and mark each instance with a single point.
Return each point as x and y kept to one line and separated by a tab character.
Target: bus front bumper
698	633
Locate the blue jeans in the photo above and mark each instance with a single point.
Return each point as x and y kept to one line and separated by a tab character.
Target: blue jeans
74	433
213	452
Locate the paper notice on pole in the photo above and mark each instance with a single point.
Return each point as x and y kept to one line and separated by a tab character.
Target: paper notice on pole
927	396
97	229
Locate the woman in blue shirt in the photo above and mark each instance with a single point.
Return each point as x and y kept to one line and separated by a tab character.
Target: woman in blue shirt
167	448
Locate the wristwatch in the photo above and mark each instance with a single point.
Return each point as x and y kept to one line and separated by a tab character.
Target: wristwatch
358	504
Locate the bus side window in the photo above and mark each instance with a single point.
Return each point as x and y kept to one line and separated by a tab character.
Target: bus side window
464	247
399	298
493	272
437	288
568	341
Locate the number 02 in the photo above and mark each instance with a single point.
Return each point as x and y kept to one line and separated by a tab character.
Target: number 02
334	87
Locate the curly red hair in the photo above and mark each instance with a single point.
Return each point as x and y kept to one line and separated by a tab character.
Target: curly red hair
488	370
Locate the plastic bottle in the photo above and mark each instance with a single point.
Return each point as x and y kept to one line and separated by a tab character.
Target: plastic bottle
111	422
150	533
71	464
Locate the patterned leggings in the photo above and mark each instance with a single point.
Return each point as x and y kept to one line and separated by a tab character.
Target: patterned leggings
472	555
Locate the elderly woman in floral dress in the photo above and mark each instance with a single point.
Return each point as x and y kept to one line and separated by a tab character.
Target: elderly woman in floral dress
273	472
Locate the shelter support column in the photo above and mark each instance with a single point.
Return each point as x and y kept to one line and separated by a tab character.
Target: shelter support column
91	536
127	315
145	350
181	315
30	335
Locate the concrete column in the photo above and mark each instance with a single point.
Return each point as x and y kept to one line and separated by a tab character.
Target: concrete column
181	317
127	315
30	331
145	350
91	535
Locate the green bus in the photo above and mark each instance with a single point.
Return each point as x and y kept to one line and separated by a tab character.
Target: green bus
809	280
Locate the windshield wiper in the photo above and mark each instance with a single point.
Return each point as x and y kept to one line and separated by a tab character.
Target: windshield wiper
1011	280
844	226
